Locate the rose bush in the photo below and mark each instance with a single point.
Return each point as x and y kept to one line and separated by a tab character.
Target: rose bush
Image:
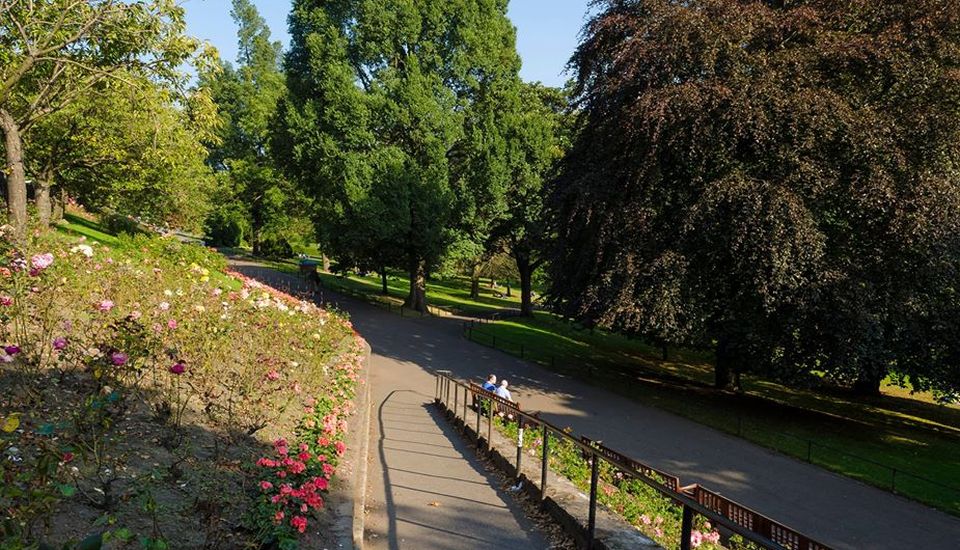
150	361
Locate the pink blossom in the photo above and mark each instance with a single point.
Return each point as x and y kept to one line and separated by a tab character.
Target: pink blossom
59	343
41	261
178	368
12	350
299	523
118	358
104	305
164	306
134	315
340	447
266	485
172	324
273	375
278	517
6	301
696	539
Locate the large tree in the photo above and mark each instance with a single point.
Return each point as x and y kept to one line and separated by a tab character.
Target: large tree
537	134
777	180
52	53
247	97
380	92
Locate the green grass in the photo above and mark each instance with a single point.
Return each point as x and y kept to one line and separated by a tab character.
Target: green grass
76	225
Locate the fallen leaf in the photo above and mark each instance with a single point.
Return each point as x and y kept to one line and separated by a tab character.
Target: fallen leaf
435	504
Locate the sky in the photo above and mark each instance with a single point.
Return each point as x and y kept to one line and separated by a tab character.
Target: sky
547	31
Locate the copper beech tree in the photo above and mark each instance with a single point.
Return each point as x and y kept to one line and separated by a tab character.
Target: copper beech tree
775	180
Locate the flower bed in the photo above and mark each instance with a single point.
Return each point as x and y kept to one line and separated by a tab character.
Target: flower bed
141	387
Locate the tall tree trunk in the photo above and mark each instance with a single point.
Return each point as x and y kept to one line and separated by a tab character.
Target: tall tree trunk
42	197
59	205
383	280
526	279
326	263
868	382
509	290
417	299
475	281
16	178
724	364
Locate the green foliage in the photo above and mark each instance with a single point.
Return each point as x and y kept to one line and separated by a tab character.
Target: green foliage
226	226
247	98
384	110
742	180
275	247
58	54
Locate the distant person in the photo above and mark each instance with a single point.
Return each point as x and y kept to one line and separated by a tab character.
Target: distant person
503	392
491	383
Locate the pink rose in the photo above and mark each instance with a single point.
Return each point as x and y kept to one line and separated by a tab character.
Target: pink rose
41	261
104	305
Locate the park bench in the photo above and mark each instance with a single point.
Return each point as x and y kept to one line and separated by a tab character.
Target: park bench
500	404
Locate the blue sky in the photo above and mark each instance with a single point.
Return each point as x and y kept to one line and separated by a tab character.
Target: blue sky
547	30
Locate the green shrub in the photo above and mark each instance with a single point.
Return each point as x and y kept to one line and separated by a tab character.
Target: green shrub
118	224
275	247
226	227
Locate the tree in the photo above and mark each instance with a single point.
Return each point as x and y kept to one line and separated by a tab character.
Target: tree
538	135
380	92
776	180
130	145
52	53
247	98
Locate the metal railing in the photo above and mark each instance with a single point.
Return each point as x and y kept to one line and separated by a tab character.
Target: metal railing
694	500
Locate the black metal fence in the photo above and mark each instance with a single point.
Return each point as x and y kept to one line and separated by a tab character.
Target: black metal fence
694	500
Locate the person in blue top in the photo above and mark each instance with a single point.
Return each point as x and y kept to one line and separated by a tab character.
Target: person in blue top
491	383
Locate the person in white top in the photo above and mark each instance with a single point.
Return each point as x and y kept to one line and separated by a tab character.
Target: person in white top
503	392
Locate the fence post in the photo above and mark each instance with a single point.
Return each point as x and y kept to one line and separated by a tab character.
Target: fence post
479	400
465	399
686	527
594	480
489	423
456	401
436	390
544	466
519	445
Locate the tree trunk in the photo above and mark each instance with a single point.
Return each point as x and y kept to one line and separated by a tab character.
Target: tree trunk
417	299
509	290
475	281
868	383
526	278
383	279
326	263
724	364
42	197
16	178
59	205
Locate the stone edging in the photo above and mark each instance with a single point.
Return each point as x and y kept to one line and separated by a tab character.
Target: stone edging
360	485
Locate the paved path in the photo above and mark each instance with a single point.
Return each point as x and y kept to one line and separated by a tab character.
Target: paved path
843	513
426	489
